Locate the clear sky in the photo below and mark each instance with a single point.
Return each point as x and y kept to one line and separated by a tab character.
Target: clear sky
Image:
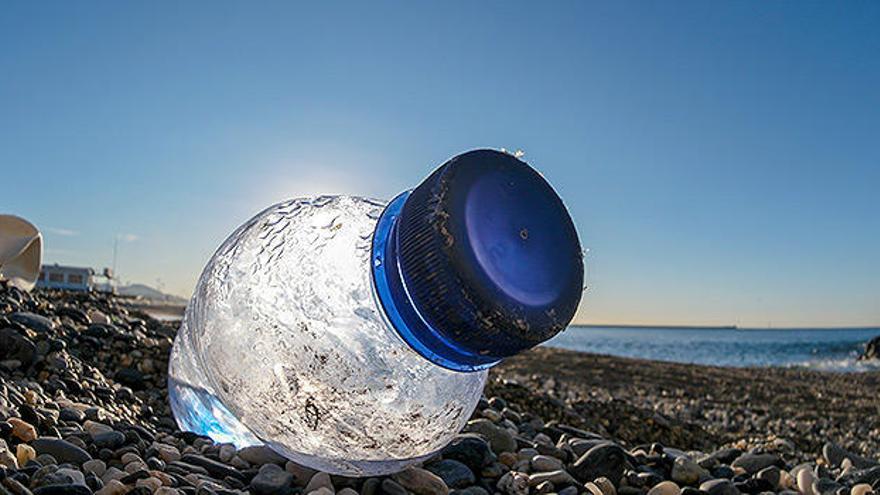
720	159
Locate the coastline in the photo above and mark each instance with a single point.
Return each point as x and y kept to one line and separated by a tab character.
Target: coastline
728	404
84	409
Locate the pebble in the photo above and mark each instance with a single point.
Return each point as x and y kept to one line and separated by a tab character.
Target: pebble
16	348
113	473
772	475
835	454
719	487
471	450
215	468
665	488
514	483
272	479
60	449
806	482
319	480
113	487
95	428
500	440
602	460
7	459
558	478
605	485
454	473
687	472
33	321
593	489
861	489
542	488
752	463
168	453
546	463
226	452
301	473
111	439
150	483
260	454
421	481
509	459
95	466
391	487
22	430
24	453
62	489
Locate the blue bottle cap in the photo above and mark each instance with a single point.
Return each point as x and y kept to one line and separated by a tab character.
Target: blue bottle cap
477	263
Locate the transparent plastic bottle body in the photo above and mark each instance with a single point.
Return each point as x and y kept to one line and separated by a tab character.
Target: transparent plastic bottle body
284	343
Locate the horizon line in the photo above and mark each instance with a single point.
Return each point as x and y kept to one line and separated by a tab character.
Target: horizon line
721	327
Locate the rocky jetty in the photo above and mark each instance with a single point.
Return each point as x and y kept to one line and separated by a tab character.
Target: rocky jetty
872	350
83	409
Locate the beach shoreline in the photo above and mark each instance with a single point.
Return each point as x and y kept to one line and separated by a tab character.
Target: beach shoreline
804	406
84	409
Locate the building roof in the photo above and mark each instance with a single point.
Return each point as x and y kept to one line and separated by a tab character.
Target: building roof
66	268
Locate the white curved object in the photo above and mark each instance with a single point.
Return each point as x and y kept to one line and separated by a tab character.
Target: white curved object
21	251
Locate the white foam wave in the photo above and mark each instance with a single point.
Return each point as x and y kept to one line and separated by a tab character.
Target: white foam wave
845	364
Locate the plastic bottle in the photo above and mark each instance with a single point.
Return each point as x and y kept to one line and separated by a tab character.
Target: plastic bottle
354	337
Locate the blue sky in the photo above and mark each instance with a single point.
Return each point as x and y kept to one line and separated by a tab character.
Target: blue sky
721	160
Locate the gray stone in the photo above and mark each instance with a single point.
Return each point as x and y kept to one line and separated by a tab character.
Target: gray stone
391	487
580	446
721	456
214	468
719	487
272	479
470	449
558	478
752	463
513	483
499	438
472	490
66	489
319	480
606	460
17	347
687	472
541	463
771	474
421	481
60	449
95	466
869	476
826	486
260	454
454	473
835	454
111	439
35	322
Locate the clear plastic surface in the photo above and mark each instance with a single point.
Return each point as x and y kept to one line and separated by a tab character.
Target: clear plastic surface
283	343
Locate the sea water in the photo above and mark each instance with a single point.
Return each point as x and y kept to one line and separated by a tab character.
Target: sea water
830	349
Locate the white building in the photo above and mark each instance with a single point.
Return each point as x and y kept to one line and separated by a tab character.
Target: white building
65	277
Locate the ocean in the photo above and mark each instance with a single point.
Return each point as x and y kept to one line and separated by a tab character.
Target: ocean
817	348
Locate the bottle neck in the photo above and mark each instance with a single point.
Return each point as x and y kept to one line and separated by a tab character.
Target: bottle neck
401	311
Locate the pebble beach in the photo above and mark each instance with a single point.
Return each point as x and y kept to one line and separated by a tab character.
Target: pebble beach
84	409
